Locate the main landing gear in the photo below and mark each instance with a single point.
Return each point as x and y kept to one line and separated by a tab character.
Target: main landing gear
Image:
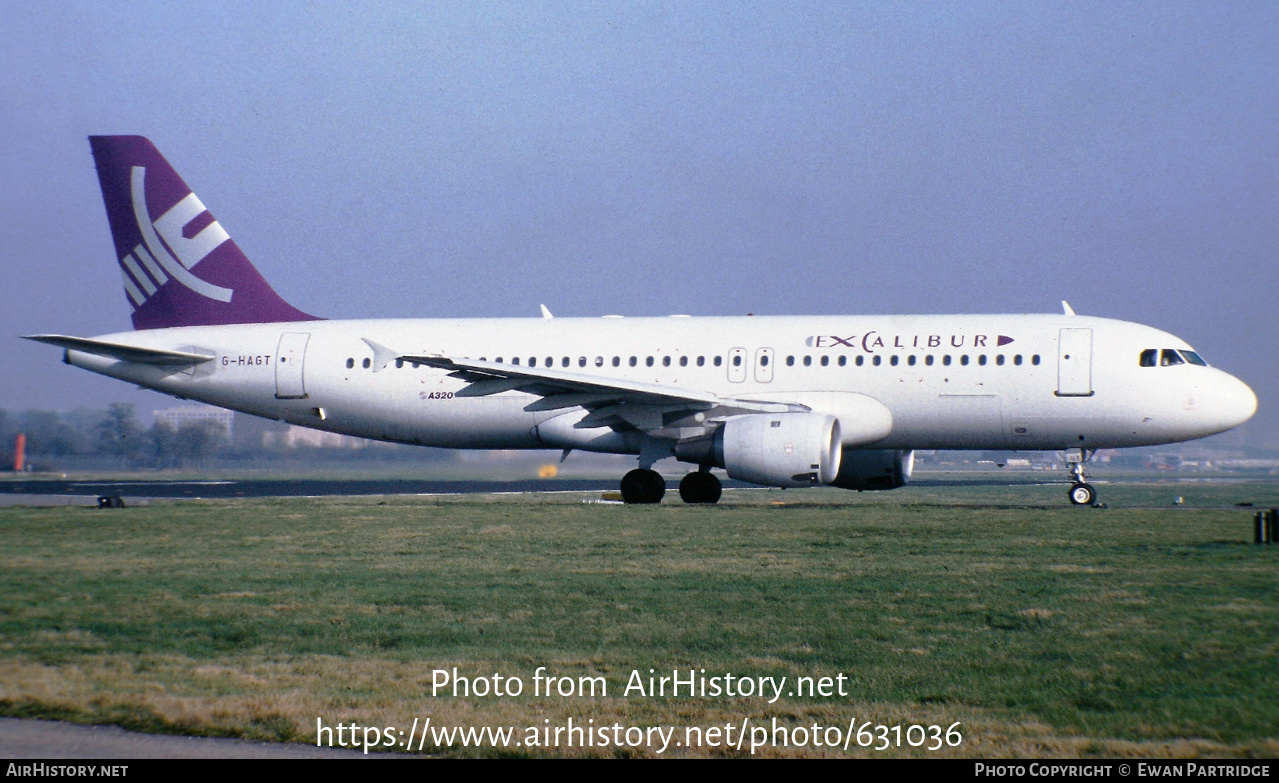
647	486
1081	492
643	486
701	486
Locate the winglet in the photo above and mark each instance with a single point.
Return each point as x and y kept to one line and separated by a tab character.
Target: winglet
546	313
1066	308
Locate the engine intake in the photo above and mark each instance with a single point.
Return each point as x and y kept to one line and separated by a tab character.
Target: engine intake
780	449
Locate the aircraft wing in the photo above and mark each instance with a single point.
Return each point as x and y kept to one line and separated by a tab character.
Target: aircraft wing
126	353
612	402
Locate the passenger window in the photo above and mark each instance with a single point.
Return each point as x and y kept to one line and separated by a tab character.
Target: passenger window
911	360
515	360
877	361
1194	358
550	361
367	364
982	360
617	361
632	361
928	360
350	364
999	360
719	360
790	361
737	361
843	360
532	361
808	361
701	361
1168	358
564	362
648	361
1017	359
599	361
825	361
581	361
946	360
666	361
1148	357
893	361
399	364
683	361
964	360
1034	359
763	361
861	360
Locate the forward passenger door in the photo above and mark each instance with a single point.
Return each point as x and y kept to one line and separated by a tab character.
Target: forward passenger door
1074	363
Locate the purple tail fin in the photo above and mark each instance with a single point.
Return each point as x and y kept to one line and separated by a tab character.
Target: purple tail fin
180	266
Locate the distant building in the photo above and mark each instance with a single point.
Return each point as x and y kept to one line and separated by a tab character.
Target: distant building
189	414
295	437
255	432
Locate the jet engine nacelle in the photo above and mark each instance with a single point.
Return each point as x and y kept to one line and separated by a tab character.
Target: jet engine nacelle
780	449
863	469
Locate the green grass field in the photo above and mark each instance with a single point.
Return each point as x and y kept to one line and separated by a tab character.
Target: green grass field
1141	629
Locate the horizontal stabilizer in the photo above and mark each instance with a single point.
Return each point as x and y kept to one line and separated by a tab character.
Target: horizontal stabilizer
125	353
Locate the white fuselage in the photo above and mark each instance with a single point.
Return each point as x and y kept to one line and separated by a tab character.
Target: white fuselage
949	382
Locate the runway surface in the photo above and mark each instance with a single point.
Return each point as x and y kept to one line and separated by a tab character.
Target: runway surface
48	492
286	487
45	740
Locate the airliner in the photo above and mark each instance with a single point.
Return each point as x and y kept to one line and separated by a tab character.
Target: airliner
803	401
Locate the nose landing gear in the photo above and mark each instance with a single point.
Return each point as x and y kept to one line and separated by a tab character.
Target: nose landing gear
1081	492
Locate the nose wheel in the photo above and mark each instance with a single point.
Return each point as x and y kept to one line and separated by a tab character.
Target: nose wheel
1081	492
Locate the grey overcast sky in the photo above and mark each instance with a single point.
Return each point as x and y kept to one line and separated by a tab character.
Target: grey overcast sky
457	159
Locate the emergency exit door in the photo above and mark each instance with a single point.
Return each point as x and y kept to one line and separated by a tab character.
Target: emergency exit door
764	365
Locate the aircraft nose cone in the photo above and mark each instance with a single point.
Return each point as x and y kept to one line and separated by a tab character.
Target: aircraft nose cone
1237	402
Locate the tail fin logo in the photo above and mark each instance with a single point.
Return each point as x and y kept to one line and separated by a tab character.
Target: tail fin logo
171	245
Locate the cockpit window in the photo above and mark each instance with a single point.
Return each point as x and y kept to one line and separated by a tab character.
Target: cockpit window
1194	358
1170	357
1148	357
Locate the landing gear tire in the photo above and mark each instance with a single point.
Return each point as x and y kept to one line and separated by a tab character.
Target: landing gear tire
643	486
700	487
1082	494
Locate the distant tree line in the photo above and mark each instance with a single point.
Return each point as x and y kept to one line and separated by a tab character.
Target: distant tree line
115	436
114	432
